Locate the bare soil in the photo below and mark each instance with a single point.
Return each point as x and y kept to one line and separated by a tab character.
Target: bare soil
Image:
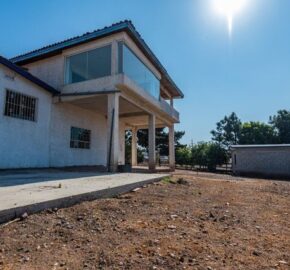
204	221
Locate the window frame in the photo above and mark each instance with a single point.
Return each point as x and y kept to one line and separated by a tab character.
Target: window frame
80	141
35	120
85	50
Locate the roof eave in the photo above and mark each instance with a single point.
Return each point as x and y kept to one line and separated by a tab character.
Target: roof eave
27	75
124	26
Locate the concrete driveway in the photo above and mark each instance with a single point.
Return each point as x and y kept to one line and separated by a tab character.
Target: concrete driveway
33	191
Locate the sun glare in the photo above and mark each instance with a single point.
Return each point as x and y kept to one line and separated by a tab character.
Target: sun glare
229	8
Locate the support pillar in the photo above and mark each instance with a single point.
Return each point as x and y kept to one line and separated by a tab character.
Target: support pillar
113	132
171	145
134	146
151	142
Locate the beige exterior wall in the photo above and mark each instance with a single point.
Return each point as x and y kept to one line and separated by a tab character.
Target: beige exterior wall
52	69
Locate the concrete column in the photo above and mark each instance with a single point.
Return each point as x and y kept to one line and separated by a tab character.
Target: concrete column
171	102
113	132
115	58
134	146
171	147
151	142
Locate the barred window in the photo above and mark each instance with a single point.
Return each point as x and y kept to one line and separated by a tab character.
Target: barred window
20	106
80	138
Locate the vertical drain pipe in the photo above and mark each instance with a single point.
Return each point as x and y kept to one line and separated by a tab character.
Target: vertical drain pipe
111	138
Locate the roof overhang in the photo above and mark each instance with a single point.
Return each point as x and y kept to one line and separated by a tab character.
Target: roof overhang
125	26
27	75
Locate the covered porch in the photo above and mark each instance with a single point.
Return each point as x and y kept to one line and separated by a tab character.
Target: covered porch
125	112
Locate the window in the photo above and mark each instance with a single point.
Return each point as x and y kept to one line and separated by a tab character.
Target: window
20	106
136	70
88	65
80	138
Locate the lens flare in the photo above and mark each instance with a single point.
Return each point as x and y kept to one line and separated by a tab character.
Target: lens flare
229	8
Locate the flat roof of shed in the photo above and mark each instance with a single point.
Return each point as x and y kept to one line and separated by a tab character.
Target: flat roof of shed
260	146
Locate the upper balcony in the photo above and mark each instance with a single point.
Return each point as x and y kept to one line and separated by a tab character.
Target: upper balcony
106	59
116	66
129	88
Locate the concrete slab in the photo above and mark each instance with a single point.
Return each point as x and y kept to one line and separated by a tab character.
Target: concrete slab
35	191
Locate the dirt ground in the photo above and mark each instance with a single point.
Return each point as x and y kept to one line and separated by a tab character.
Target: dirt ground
204	221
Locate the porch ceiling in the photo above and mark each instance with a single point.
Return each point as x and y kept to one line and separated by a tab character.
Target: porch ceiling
129	113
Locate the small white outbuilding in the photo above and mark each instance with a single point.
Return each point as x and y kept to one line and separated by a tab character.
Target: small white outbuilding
271	161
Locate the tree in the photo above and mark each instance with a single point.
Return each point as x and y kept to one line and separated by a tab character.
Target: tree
209	154
183	156
216	155
227	131
281	123
161	143
199	154
257	133
128	149
161	140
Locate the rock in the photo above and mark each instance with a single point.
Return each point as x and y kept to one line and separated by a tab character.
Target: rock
172	255
62	264
24	216
173	216
282	262
135	189
26	259
182	259
171	227
257	253
80	218
182	181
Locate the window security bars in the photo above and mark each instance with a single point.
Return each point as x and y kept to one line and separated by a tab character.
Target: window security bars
20	106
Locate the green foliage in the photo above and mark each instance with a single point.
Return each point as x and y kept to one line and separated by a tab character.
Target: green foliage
257	133
230	130
281	123
227	130
166	180
161	143
128	149
209	154
161	140
183	156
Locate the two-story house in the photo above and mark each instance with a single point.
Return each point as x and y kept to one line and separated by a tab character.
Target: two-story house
70	103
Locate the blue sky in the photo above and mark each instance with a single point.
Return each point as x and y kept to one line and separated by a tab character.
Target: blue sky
248	73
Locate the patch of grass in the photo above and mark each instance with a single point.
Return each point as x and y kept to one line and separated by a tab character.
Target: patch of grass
166	180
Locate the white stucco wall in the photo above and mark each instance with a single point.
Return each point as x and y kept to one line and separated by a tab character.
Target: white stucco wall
24	144
64	116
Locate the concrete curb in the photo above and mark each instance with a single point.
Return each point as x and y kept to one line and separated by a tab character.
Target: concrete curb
13	213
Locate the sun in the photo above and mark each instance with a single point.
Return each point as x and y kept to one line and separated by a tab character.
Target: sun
229	8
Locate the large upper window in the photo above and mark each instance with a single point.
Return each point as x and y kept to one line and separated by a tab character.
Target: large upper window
21	106
88	65
137	71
